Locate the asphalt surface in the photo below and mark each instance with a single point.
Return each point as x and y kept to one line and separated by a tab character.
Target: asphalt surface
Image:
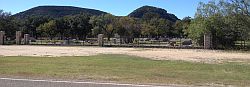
45	83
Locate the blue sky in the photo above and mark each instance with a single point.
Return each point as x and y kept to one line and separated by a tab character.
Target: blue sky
181	8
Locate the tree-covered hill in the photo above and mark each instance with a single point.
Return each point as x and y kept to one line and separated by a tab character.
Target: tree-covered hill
150	11
56	11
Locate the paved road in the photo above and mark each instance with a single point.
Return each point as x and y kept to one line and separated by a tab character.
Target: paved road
7	82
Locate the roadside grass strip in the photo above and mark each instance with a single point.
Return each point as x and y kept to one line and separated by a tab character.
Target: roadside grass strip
126	69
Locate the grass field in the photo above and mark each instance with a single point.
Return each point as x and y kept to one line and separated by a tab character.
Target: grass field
126	69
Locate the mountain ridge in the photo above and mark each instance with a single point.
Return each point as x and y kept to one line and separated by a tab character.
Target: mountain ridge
57	11
61	11
155	11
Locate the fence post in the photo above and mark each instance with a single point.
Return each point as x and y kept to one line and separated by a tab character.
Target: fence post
26	39
18	37
2	35
207	41
100	40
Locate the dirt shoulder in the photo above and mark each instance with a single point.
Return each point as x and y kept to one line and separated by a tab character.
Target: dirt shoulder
195	55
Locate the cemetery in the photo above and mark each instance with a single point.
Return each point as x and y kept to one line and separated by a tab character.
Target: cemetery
116	41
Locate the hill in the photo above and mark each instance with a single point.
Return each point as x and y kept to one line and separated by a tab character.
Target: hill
153	11
57	11
60	11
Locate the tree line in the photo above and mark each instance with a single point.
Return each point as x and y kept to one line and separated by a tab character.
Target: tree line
83	25
228	21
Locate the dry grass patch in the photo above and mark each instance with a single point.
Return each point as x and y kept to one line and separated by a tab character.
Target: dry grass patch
126	69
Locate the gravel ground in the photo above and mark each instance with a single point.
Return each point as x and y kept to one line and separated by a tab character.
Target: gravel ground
194	55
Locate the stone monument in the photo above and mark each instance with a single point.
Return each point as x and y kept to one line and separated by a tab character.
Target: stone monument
18	37
100	40
117	39
207	41
26	39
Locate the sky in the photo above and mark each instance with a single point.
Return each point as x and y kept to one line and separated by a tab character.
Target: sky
181	8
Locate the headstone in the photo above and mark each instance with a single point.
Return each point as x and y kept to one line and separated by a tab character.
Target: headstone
18	37
26	39
100	40
117	39
2	35
207	41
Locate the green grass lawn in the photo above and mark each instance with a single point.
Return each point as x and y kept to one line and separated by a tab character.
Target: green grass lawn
127	69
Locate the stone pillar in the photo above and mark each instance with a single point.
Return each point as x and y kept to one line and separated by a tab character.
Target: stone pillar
207	41
18	37
100	40
2	35
26	39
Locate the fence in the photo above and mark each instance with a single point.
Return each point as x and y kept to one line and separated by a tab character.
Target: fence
121	42
72	42
116	41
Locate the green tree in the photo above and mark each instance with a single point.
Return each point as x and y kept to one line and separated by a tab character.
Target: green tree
226	20
128	28
148	29
30	24
196	30
7	24
181	26
157	27
48	29
105	24
63	28
79	25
